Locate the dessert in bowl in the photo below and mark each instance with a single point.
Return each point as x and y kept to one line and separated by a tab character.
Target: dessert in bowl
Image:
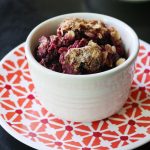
81	46
76	87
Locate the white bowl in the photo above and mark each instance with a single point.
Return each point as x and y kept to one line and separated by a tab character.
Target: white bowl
83	97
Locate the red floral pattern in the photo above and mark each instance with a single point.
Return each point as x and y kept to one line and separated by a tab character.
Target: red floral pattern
21	109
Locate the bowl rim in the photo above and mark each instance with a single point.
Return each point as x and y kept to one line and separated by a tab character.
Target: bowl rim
119	68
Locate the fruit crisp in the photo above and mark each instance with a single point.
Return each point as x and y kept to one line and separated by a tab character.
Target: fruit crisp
81	46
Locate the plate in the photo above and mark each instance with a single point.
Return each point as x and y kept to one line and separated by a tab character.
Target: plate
23	116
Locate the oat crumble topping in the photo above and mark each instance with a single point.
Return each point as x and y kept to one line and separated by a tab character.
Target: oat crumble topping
81	46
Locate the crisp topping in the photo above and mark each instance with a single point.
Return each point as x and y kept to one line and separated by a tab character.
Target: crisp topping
81	46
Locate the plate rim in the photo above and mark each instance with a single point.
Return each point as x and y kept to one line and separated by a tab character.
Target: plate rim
9	129
36	145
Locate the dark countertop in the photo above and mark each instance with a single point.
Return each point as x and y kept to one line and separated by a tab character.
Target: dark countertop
18	17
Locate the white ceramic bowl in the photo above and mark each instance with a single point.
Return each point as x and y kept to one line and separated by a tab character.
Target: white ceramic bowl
83	97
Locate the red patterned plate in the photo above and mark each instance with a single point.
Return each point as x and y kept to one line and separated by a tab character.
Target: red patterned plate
23	116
